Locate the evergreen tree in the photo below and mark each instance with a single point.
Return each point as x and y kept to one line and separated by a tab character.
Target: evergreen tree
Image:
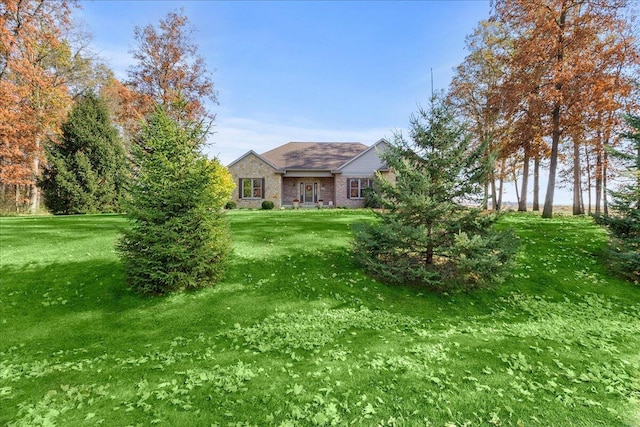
624	223
86	171
179	239
430	235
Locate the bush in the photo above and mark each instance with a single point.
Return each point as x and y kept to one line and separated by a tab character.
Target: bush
179	239
267	205
230	205
371	199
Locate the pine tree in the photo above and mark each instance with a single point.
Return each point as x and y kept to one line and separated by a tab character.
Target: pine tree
430	235
624	223
86	170
179	239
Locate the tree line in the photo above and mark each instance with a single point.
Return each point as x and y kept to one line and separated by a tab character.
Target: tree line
548	83
49	82
545	87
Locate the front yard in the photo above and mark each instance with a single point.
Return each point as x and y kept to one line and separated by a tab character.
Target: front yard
297	335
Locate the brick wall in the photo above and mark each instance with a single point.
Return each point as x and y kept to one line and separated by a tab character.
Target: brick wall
341	189
252	167
341	193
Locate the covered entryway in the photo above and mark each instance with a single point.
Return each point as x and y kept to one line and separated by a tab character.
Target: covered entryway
307	190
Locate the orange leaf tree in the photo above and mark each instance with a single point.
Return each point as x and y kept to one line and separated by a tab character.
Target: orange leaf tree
33	95
556	65
169	71
474	92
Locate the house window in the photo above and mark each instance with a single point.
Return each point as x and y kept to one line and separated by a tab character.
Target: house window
356	187
252	188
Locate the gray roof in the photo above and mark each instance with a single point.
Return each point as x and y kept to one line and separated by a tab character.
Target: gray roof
313	155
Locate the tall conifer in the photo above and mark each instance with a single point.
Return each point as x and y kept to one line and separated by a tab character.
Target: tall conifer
430	235
178	239
624	222
86	170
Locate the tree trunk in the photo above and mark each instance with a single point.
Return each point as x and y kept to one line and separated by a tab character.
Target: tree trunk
494	195
605	155
515	184
522	203
501	187
598	174
17	199
485	196
536	183
578	207
34	194
547	211
586	157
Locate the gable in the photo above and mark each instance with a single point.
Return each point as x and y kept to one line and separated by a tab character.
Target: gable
366	162
251	157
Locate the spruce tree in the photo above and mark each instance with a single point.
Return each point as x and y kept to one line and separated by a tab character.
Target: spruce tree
86	169
178	239
429	234
624	222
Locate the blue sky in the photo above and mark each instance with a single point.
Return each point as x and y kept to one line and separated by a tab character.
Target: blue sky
306	70
298	71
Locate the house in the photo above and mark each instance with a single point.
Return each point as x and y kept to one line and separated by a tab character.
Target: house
328	173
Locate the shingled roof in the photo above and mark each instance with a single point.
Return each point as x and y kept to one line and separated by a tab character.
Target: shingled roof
313	155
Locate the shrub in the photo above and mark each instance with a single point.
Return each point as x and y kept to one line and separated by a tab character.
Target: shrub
371	199
267	205
230	205
179	239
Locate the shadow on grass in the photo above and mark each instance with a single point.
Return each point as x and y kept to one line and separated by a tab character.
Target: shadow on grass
61	286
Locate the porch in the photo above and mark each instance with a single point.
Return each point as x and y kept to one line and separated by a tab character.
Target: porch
310	192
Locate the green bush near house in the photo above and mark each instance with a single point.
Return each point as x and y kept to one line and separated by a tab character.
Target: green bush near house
267	205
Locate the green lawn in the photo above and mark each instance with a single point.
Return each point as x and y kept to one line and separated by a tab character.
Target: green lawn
296	335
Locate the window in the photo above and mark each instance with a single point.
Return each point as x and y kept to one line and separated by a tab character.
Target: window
356	187
252	188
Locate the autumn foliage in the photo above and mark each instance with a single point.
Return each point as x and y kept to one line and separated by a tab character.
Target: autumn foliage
33	96
550	80
169	71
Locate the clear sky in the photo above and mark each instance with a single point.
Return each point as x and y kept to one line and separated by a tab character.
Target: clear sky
305	70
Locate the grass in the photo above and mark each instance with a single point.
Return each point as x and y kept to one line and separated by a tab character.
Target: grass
296	335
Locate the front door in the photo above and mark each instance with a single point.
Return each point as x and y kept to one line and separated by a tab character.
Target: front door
308	192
